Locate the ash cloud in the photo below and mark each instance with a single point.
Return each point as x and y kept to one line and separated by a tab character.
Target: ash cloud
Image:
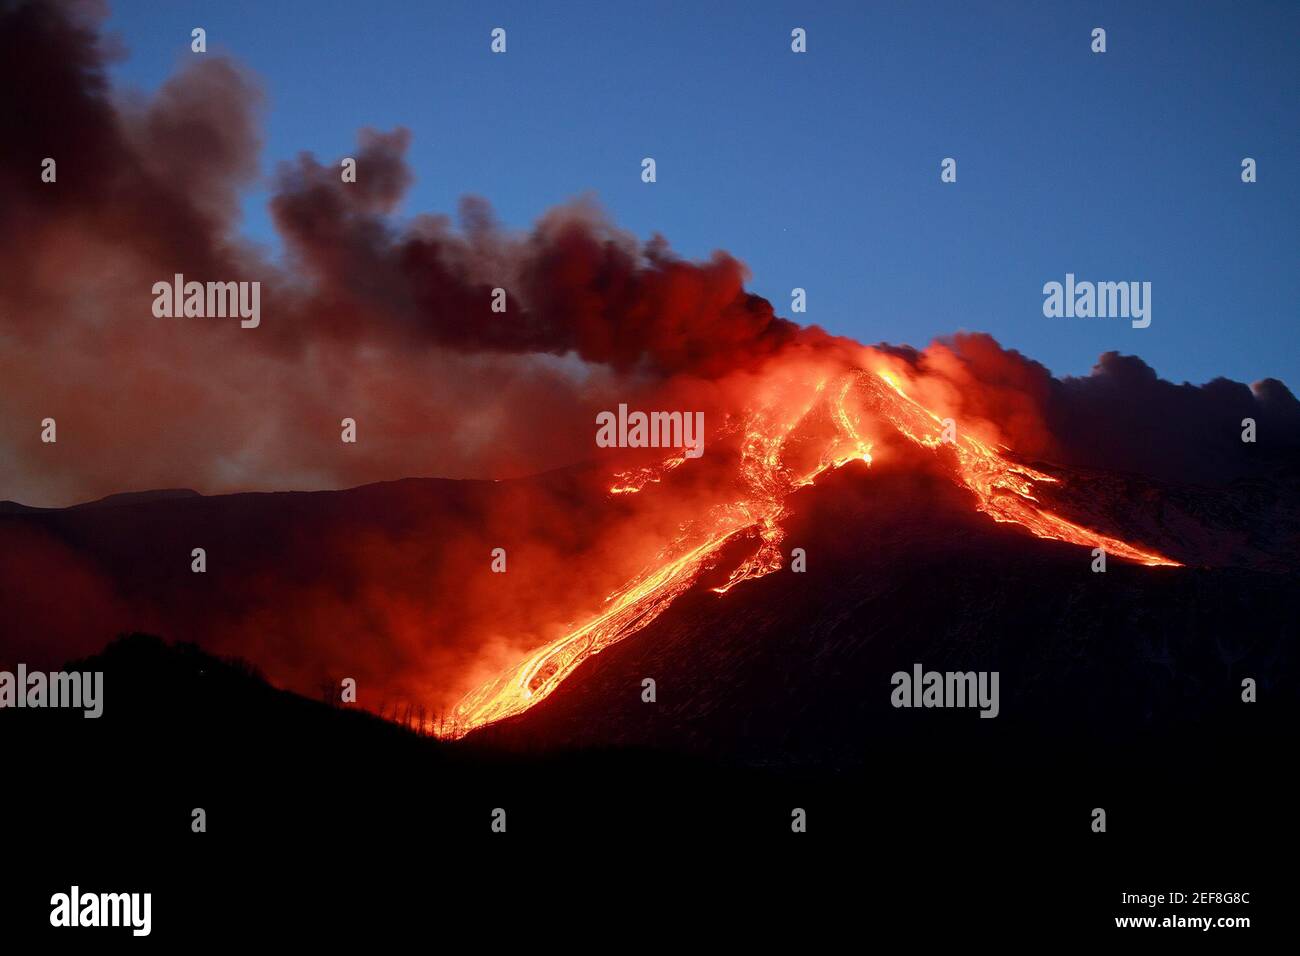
1122	416
383	320
575	284
388	320
141	184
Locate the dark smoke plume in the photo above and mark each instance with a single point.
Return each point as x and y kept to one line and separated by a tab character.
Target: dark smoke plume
389	321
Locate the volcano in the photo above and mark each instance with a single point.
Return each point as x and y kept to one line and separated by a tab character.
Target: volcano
1106	600
494	547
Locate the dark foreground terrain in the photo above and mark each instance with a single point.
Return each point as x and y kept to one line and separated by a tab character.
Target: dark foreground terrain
326	821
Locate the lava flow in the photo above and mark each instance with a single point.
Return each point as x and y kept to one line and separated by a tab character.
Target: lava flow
780	450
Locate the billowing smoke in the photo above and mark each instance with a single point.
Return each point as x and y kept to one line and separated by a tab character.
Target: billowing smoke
384	321
575	285
390	321
1120	417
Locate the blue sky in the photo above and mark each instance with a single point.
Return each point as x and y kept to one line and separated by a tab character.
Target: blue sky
821	170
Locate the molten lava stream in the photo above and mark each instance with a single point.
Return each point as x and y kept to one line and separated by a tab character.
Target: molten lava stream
530	681
1003	489
767	481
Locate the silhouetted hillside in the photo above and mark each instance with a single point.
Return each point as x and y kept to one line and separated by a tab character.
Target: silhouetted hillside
108	803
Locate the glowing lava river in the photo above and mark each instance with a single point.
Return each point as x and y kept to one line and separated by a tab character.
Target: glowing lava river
781	449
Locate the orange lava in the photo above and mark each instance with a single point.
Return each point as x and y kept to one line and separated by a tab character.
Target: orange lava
775	461
1004	489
